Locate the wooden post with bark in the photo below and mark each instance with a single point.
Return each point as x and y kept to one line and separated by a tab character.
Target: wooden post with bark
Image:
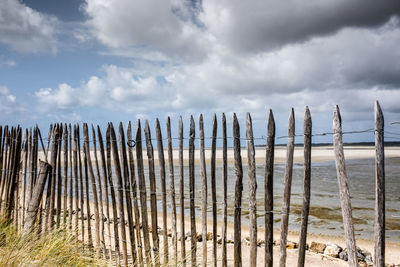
379	251
182	193
193	233
225	190
213	188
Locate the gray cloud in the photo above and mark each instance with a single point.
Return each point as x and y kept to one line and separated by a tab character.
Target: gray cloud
254	26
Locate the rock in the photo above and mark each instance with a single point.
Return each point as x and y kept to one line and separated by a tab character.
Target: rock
332	250
291	245
260	242
343	256
209	236
230	239
246	241
317	247
219	240
199	237
169	232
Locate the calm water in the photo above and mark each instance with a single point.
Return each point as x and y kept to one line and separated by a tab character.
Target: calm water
325	212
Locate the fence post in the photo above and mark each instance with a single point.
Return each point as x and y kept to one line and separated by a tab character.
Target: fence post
379	188
142	190
306	190
153	196
224	182
203	190
193	233
34	202
252	190
213	188
161	163
344	188
269	191
287	190
238	193
182	193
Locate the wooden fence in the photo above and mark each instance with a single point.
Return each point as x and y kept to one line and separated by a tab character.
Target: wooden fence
92	188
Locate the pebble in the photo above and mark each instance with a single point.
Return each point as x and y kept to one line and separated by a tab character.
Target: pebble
317	247
332	250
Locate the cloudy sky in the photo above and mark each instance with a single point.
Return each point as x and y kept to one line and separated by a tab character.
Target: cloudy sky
120	60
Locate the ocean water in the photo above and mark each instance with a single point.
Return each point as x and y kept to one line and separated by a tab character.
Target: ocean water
325	211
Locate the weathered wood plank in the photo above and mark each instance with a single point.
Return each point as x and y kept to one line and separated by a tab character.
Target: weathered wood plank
182	193
269	191
306	187
287	190
153	196
193	233
161	162
379	250
237	235
203	172
252	190
344	188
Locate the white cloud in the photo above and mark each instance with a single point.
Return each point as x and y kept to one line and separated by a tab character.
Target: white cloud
8	101
26	30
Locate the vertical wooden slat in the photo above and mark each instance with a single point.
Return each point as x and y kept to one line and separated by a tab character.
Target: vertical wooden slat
105	182
269	191
306	186
153	196
134	195
193	233
71	177
81	188
117	168
87	200
379	251
52	181
238	194
127	188
287	190
344	188
100	189
94	187
113	200
161	163
203	190
76	179
59	177
24	175
172	191
252	190
65	146
142	190
37	195
213	187
182	193
225	190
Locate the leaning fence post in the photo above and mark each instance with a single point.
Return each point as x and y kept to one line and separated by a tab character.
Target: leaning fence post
306	191
379	255
286	193
34	202
344	188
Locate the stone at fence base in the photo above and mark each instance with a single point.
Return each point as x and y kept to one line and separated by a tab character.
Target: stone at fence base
291	245
209	236
332	250
343	256
260	242
317	247
246	241
230	239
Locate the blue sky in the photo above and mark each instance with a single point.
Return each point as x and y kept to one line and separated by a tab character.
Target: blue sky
97	61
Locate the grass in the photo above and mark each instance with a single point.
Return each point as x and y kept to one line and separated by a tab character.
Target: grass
58	248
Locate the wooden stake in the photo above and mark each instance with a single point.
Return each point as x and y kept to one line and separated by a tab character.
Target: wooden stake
269	192
306	190
182	193
238	193
213	188
225	187
344	188
153	197
379	251
204	190
65	140
193	233
287	190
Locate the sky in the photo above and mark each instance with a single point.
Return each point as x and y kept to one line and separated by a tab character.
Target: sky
97	61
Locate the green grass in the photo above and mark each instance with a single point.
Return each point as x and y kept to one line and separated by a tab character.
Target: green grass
58	248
